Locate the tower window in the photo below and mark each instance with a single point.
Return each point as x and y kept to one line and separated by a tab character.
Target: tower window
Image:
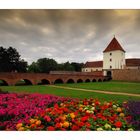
110	53
110	60
110	67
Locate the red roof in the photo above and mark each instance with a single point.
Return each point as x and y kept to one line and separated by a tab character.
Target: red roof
133	62
93	64
114	45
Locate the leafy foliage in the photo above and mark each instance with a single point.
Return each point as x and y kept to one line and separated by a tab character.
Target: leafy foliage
10	60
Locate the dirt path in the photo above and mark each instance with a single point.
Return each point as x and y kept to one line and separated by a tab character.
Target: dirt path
97	91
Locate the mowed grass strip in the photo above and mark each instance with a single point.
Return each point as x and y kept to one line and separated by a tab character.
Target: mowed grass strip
67	93
126	87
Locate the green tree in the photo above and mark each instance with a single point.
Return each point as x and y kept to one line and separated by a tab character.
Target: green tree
77	66
10	60
68	67
33	67
46	65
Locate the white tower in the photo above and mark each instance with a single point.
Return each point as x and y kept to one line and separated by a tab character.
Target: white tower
113	57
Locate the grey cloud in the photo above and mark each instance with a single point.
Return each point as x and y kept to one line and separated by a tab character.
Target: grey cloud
69	35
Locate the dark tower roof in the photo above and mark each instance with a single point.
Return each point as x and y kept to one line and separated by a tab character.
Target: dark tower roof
114	45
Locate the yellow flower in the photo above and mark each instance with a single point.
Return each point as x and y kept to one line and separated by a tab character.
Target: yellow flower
32	121
38	123
121	114
119	109
63	118
66	124
19	125
72	115
21	129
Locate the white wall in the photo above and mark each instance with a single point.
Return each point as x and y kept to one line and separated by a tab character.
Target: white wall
132	67
118	60
92	69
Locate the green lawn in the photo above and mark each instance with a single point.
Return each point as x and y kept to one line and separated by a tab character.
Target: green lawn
66	92
128	87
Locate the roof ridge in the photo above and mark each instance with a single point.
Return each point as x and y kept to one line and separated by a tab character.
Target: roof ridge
114	45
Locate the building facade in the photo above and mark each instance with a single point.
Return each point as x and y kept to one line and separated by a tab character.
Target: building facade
113	58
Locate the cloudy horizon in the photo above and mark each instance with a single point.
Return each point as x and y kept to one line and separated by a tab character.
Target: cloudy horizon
69	35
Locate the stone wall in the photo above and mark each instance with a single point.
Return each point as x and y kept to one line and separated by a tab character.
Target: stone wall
126	75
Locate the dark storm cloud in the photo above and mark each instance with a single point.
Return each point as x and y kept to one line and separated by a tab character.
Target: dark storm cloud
69	35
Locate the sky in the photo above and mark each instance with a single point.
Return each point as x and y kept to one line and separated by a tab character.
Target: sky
69	35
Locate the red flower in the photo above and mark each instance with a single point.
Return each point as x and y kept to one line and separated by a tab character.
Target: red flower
65	109
118	124
58	125
94	117
88	124
75	127
80	124
57	120
50	128
63	129
47	118
56	106
85	118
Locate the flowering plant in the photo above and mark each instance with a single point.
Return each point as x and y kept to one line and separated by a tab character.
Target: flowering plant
87	114
17	108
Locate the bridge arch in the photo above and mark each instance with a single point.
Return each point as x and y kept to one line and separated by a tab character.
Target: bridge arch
44	82
94	80
79	81
87	80
104	80
3	82
70	81
23	82
58	81
99	80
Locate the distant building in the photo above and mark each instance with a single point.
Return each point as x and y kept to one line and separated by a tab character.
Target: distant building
113	58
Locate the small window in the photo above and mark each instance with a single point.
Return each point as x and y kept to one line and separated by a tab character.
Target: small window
110	67
110	53
110	60
96	69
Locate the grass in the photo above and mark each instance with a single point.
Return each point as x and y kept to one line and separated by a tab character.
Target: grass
128	87
66	92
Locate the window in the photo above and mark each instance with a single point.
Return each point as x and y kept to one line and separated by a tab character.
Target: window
110	59
110	67
110	53
96	69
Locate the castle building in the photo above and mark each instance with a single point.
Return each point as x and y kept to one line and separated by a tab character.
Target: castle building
113	58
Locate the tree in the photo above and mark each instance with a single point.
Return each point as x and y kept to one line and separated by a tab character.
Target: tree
33	68
10	60
22	66
77	66
68	67
46	65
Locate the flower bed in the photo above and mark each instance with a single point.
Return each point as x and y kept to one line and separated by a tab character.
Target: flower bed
47	112
16	108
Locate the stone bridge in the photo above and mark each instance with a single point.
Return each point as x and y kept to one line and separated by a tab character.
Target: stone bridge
43	78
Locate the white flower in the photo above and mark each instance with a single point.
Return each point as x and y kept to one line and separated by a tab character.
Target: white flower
99	129
117	129
93	108
130	129
114	106
107	126
114	129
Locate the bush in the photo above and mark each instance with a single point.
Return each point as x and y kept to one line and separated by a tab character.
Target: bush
133	108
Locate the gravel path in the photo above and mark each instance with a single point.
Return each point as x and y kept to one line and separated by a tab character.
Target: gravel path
97	91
